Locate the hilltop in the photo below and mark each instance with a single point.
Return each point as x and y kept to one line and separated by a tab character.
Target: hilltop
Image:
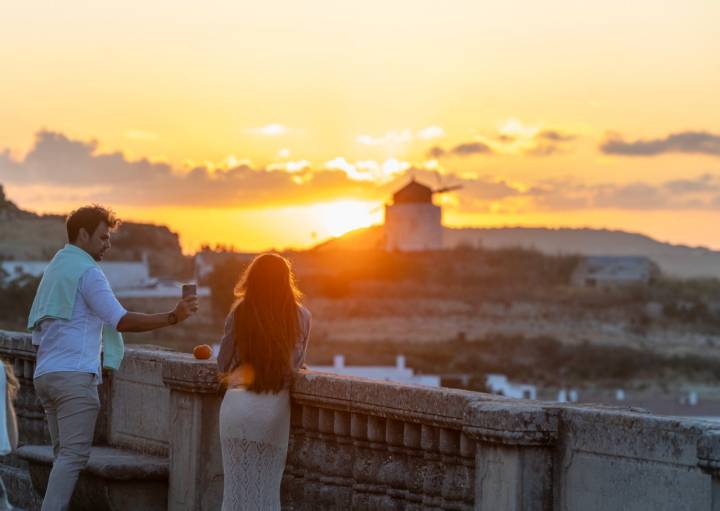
25	235
676	260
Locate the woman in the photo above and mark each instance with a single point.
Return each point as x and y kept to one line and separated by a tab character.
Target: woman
9	387
266	336
9	434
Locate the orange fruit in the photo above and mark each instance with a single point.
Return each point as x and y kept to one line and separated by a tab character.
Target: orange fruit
202	351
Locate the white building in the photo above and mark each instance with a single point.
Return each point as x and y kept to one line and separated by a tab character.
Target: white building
128	279
412	221
120	274
499	384
16	269
609	271
398	373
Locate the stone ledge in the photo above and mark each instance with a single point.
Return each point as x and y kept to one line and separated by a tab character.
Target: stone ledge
182	371
511	423
708	452
441	407
17	344
106	462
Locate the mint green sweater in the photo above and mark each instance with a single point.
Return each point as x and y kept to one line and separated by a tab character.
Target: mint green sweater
55	298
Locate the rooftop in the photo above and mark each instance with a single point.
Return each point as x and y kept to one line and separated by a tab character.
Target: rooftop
413	192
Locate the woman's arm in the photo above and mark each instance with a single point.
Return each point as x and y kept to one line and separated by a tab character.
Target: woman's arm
301	349
227	345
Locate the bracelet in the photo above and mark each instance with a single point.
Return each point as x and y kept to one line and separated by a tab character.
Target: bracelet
172	318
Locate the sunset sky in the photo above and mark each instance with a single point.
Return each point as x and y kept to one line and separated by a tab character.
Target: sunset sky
281	123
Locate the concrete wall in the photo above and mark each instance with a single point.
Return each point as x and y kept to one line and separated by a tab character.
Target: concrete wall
359	444
140	406
629	461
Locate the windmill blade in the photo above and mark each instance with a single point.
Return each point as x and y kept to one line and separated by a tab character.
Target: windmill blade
448	189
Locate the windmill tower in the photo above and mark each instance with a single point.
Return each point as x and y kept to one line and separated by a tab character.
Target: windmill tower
412	221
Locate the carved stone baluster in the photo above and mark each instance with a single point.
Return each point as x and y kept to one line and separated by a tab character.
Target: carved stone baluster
31	416
19	368
456	483
311	456
393	471
380	456
414	472
433	471
467	459
342	461
28	369
326	453
292	489
362	469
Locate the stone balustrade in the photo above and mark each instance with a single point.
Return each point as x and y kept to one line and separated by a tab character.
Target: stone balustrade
366	445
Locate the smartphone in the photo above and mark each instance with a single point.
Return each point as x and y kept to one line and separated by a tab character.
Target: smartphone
189	290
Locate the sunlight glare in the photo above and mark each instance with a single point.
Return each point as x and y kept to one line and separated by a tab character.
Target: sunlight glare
338	217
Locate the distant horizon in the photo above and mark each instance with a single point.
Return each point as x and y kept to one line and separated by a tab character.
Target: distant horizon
212	244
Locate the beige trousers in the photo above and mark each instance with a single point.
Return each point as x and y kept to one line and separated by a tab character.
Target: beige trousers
71	404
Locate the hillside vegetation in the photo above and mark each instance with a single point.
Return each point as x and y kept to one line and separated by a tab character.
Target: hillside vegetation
676	260
27	236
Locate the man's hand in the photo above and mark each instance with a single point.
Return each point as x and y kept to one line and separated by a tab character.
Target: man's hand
186	308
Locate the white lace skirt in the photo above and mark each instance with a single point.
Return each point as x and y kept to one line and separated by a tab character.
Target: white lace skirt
254	432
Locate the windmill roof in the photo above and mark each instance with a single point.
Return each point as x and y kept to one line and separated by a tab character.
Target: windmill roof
413	192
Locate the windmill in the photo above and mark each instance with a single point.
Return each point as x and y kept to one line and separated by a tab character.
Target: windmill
412	221
441	188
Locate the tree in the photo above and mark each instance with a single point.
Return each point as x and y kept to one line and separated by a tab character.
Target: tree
16	297
222	283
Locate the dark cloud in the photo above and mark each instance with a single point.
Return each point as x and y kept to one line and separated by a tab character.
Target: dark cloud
694	142
470	148
696	193
554	136
55	160
549	142
631	196
464	149
436	152
544	149
704	183
543	143
71	169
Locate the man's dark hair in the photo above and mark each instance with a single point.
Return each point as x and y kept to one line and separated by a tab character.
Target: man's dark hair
88	218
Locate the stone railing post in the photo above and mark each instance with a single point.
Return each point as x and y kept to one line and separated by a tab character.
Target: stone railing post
196	476
513	459
708	451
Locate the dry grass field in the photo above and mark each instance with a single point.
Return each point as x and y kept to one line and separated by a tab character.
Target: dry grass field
432	320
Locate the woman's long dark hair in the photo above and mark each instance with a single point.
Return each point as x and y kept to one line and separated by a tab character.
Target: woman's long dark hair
267	324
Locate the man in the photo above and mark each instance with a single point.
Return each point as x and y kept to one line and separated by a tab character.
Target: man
73	308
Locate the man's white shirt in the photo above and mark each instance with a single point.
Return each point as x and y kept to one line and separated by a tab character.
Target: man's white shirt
76	344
